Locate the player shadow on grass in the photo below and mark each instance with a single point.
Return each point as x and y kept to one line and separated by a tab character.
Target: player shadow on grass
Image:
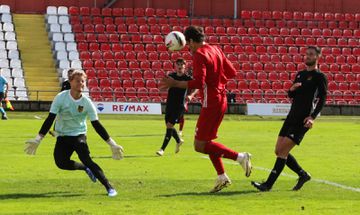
38	195
127	156
229	193
140	135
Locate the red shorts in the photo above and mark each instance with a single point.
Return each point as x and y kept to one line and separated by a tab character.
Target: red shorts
209	122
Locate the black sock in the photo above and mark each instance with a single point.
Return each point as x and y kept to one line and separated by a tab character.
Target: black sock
276	171
294	166
176	135
167	138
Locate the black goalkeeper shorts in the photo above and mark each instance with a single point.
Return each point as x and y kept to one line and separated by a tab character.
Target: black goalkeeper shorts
294	131
173	117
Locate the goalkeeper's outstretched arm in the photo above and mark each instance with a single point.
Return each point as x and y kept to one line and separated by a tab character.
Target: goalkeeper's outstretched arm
117	151
32	144
47	124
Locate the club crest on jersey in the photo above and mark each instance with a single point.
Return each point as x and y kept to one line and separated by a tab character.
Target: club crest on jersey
309	78
80	108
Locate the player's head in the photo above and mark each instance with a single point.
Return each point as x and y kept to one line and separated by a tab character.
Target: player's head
180	65
70	71
77	80
195	37
313	55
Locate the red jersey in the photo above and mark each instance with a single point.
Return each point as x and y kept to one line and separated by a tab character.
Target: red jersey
211	70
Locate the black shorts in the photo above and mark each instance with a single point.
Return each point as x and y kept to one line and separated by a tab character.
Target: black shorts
173	117
2	96
294	131
66	145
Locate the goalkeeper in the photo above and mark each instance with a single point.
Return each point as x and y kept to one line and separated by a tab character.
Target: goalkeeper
72	108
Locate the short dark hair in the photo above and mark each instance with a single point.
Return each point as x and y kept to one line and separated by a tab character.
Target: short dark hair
316	49
180	60
70	71
195	33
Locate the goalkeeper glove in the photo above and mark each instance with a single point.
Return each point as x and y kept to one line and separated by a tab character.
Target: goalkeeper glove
32	144
117	151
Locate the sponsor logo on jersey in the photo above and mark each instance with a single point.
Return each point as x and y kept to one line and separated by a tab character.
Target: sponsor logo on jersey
80	108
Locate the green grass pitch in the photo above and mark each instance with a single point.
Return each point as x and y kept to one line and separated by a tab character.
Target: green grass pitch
179	184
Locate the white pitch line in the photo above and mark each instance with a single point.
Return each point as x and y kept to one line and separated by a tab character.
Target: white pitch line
321	181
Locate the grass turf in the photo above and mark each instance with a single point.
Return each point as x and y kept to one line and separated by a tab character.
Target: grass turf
179	184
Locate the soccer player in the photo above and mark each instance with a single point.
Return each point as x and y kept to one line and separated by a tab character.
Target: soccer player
182	119
72	109
64	86
175	107
4	87
211	70
309	85
188	99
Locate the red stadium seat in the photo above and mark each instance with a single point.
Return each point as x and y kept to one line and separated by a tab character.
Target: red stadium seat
242	85
253	85
343	86
84	11
104	83
209	30
117	12
121	28
114	74
122	64
273	76
278	15
128	12
265	85
354	86
160	12
130	93
125	75
95	11
149	12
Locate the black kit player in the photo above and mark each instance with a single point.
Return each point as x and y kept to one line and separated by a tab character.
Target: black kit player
309	85
189	98
66	84
175	107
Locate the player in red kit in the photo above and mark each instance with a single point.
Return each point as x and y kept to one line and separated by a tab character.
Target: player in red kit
211	70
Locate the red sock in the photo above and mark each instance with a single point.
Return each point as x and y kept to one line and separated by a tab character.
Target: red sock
220	150
181	124
217	163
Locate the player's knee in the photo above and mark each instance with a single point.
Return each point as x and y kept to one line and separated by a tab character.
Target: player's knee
277	152
169	125
199	147
62	164
281	153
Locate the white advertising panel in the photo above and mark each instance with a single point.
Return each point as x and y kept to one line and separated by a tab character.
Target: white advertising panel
127	108
268	109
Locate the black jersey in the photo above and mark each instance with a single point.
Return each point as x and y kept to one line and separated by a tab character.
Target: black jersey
313	86
176	96
65	85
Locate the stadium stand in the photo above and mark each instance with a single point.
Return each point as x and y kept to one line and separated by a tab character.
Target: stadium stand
10	62
122	50
64	47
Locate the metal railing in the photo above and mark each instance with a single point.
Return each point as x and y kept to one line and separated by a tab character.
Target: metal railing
138	96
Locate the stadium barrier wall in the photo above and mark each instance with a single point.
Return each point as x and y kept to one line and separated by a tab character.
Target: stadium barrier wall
213	8
346	110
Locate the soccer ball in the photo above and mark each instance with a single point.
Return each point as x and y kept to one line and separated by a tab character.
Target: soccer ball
175	41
